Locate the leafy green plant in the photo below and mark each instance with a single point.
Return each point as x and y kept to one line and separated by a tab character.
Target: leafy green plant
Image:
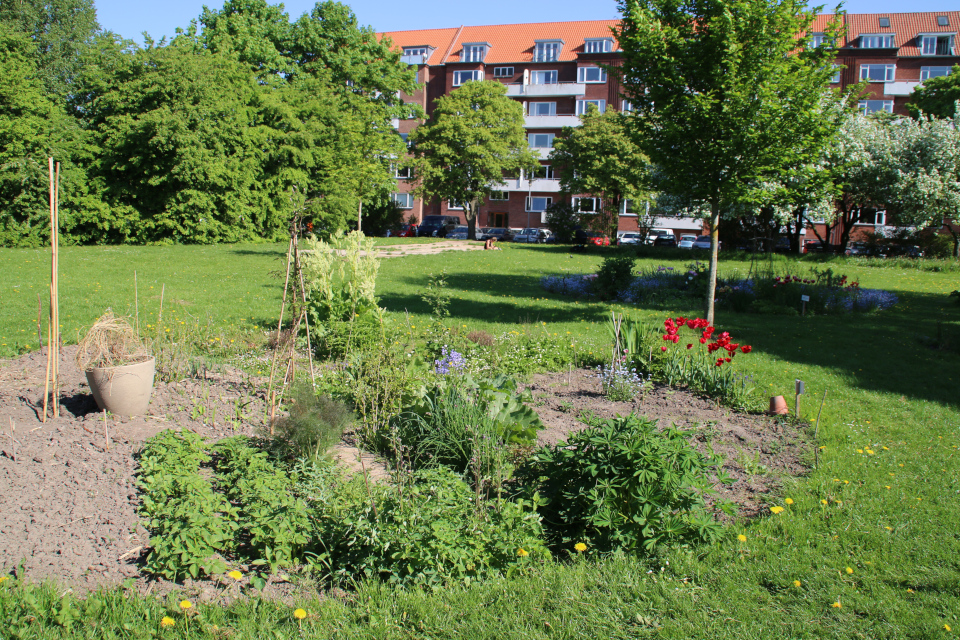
625	485
437	296
315	423
614	276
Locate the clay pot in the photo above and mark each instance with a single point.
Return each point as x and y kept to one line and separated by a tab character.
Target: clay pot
778	406
123	390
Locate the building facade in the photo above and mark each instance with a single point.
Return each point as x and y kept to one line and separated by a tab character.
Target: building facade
554	70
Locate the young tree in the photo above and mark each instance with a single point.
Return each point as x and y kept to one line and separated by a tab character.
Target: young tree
937	96
600	158
474	137
724	95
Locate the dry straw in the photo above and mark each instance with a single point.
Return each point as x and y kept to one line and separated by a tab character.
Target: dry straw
110	342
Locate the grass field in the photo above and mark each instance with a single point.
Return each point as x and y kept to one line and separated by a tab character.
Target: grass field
873	529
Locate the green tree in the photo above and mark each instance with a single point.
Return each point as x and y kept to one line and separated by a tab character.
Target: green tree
724	96
600	158
474	137
937	96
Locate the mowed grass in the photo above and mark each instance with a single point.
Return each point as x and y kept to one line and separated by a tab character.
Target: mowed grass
873	529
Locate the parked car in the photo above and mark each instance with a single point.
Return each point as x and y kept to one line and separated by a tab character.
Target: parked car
629	237
686	241
534	234
459	232
813	246
595	238
702	242
438	226
658	233
666	241
501	234
405	231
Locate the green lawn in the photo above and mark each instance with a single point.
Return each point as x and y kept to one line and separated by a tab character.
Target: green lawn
889	464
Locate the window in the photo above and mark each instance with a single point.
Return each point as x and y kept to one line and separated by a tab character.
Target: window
499	196
627	207
626	105
873	217
455	204
877	42
405	137
933	72
459	77
547	51
942	21
591	74
872	106
936	45
415	55
884	22
835	78
878	72
503	72
544	172
540	140
538	204
543	108
414	51
601	45
583	105
543	77
404	173
820	40
473	53
586	205
403	200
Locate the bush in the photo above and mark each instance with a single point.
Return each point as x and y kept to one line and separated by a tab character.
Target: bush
315	424
625	485
614	277
563	221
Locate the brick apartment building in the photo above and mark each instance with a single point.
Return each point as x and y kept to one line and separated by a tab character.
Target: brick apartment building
553	69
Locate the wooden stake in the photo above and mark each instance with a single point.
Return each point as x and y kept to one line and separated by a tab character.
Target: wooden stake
276	350
106	433
163	288
136	301
303	297
46	384
56	292
816	432
13	438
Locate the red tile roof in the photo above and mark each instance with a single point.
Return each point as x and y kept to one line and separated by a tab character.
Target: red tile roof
508	42
906	26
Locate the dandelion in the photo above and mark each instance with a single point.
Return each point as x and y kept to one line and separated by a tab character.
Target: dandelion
836	605
796	583
523	553
167	621
236	575
848	570
742	538
299	614
580	547
185	604
776	510
789	501
823	502
946	627
909	590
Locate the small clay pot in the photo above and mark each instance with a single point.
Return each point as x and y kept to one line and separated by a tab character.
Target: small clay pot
778	406
124	390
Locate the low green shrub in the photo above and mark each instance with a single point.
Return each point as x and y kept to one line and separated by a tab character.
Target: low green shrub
314	424
625	485
615	276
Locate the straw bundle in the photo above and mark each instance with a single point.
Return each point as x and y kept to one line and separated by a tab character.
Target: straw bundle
110	342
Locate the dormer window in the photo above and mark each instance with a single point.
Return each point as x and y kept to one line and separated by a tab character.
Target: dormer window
943	21
885	23
547	50
474	52
598	45
820	40
416	55
877	41
937	44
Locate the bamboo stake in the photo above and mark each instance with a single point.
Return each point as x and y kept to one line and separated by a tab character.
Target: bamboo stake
136	301
306	319
163	288
56	292
106	434
13	438
273	363
53	269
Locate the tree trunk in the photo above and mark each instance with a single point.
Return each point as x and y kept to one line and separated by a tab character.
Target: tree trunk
470	213
714	246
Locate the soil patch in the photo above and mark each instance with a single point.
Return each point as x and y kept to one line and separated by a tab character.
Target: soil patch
758	450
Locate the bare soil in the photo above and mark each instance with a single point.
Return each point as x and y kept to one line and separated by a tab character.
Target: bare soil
68	494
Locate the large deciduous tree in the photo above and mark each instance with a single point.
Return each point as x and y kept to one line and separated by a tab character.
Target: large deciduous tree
937	96
724	95
600	158
474	137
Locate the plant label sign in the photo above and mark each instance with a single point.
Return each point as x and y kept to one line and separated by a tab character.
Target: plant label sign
805	298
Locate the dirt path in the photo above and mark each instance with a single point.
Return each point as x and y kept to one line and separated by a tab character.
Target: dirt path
399	250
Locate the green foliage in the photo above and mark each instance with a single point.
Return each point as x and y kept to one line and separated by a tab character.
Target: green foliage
340	277
474	137
315	423
437	296
563	221
936	97
614	276
624	485
190	524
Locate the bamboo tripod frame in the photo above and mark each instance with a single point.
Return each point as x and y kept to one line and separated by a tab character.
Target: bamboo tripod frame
51	403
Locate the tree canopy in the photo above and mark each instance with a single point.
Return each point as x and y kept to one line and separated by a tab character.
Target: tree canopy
937	96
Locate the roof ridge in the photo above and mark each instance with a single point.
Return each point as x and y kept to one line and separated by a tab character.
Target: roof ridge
453	41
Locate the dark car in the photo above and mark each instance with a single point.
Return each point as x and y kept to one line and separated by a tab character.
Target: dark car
501	234
595	238
405	231
437	226
665	241
813	246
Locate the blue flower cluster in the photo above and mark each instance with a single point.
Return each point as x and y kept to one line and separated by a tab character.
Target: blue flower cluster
868	300
619	383
580	286
448	361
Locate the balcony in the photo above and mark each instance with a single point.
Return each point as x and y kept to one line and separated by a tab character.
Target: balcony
542	152
417	59
535	186
544	90
899	88
550	122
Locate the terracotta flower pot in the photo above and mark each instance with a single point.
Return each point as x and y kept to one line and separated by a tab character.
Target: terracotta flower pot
778	406
123	390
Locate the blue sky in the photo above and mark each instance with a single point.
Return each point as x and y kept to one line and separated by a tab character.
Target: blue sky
130	19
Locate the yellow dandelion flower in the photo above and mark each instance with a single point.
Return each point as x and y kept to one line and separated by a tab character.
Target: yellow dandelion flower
776	510
789	500
848	570
886	449
796	583
846	482
909	590
889	528
580	547
299	614
823	502
870	452
887	486
742	538
185	604
946	627
236	575
836	605
859	450
523	553
167	621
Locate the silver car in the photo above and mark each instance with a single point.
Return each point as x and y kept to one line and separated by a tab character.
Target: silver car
630	237
458	233
686	241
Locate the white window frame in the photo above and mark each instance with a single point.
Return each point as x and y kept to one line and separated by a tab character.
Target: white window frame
597	45
499	196
835	78
583	105
880	220
887	105
877	40
453	205
626	106
584	73
402	173
927	39
596	205
532	138
503	72
549	75
406	139
889	72
551	108
548	173
459	77
547	50
531	200
934	72
473	52
403	200
626	207
819	40
416	51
